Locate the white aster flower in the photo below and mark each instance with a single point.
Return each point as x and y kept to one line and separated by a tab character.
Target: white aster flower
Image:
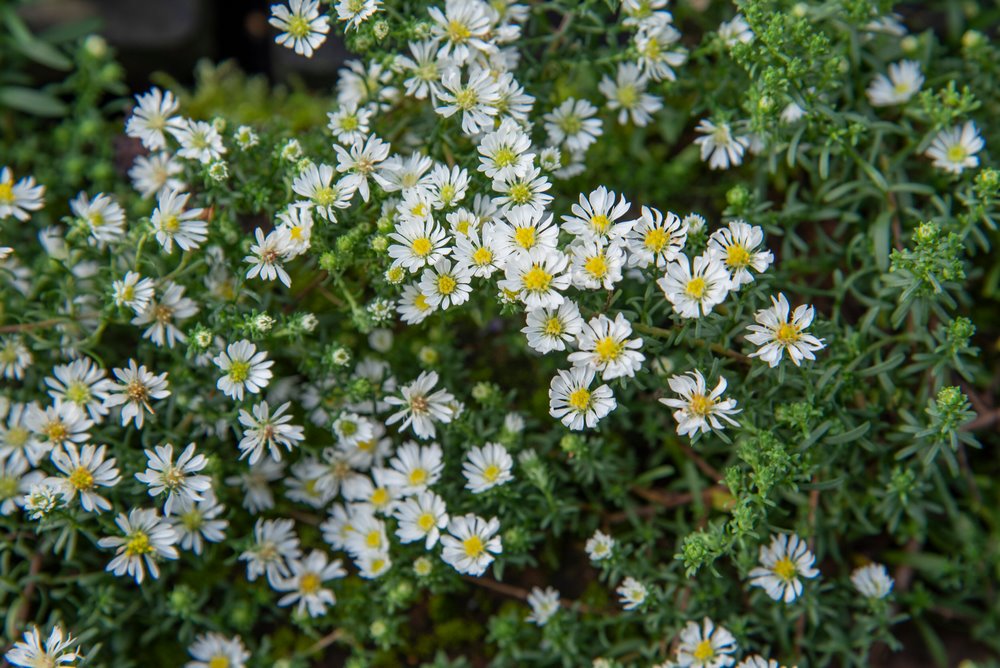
699	410
735	31
954	149
18	444
872	581
135	389
315	184
58	424
448	186
549	329
627	95
199	141
362	532
694	292
470	543
372	565
537	277
305	583
782	563
297	222
573	124
487	467
83	383
268	255
350	123
303	26
544	603
424	69
775	333
172	223
363	83
462	29
82	472
31	653
599	546
275	546
399	174
421	407
154	114
476	98
257	494
15	357
413	306
481	251
525	228
903	82
154	173
706	646
17	199
654	239
597	265
445	285
103	217
200	523
657	55
16	484
355	12
719	146
505	153
133	291
243	368
214	650
605	346
792	113
421	517
359	163
147	538
180	480
418	244
415	467
596	216
162	314
632	593
740	247
573	402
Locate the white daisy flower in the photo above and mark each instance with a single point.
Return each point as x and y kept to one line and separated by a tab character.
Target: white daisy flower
373	564
214	650
154	114
200	523
487	467
17	199
481	251
549	329
154	173
413	306
627	95
356	12
415	467
303	26
605	346
775	333
462	30
275	546
694	292
398	174
544	603
706	646
179	480
58	424
954	149
476	98
147	538
315	184
514	103
82	472
599	546
448	186
505	153
415	206
424	69
470	543
243	368
297	221
719	146
757	661
596	265
740	247
103	216
573	402
782	563
199	141
136	388
305	584
81	382
269	254
173	224
657	55
257	494
350	429
17	442
872	581
16	484
421	517
524	228
735	31
350	123
133	291
699	410
161	315
654	239
632	593
31	653
367	532
446	285
359	163
903	82
596	216
537	277
15	357
573	124
363	83
418	244
421	407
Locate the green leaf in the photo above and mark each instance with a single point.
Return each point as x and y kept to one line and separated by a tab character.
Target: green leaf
33	48
880	232
851	435
32	101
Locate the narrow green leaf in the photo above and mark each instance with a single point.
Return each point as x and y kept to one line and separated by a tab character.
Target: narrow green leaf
32	101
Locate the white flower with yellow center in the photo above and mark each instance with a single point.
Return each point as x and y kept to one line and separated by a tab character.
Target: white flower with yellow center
903	82
415	467
470	543
15	357
82	472
31	653
632	593
627	95
551	329
505	153
476	99
697	409
487	467
58	424
420	407
297	222
268	255
173	224
537	277
544	603
421	517
322	195
416	205
599	546
154	114
399	174
573	402
482	251
275	545
523	229
367	534
359	164
597	265
153	173
597	217
256	484
462	30
740	247
103	217
338	526
705	646
695	291
782	564
214	650
355	12
136	388
954	149
163	314
147	538
776	334
199	523
446	284
181	481
573	124
133	291
424	69
243	368
605	346
657	54
199	141
264	431
303	27
872	581
448	186
18	444
417	244
83	383
303	484
17	199
372	565
305	584
719	146
413	305
350	123
654	239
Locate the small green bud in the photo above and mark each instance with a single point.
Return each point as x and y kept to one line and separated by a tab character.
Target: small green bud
973	39
379	243
483	391
95	46
909	45
380	30
738	197
328	261
429	356
378	628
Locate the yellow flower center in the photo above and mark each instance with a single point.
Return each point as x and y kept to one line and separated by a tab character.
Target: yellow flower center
608	349
447	193
491	473
462	227
349	123
696	287
504	157
170	223
704	651
458	31
348	427
56	431
600	223
787	333
17	436
366	446
473	546
138	544
425	522
655	240
537	279
785	569
571	124
7	192
579	399
239	371
628	97
81	479
737	256
652	50
325	196
421	303
901	88
520	193
700	405
192	519
137	392
78	393
553	326
482	257
218	661
418	476
380	497
525	237
446	284
596	266
422	246
298	27
956	153
466	98
373	539
310	583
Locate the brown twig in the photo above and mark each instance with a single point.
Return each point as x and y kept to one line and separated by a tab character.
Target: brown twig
34	568
704	466
28	326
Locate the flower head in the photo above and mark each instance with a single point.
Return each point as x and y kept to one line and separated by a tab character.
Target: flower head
782	564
